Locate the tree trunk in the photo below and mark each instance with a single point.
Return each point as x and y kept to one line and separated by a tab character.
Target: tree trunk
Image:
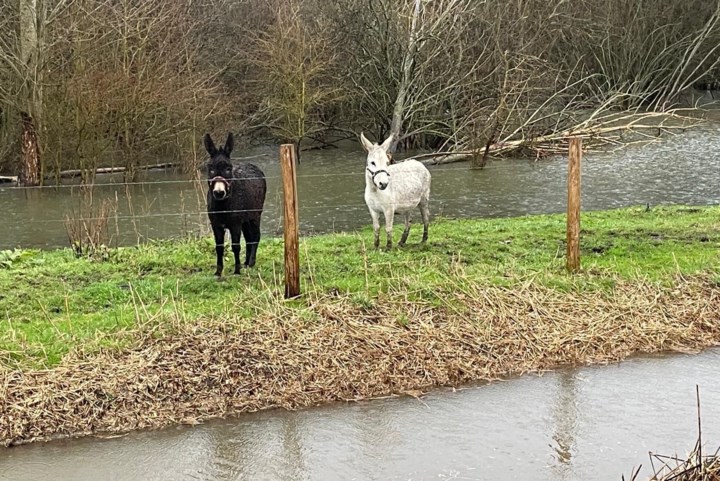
132	161
480	161
31	114
297	151
30	168
408	69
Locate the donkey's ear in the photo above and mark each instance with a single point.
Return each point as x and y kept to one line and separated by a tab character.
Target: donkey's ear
210	145
229	143
367	145
386	145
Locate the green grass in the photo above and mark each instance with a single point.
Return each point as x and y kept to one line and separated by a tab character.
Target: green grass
52	302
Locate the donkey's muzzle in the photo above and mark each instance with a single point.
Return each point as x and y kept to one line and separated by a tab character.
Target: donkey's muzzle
220	188
380	184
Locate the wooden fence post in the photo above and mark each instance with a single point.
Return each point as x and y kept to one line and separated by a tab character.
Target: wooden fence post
573	205
290	221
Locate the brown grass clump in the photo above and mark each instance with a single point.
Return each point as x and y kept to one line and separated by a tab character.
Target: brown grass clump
696	467
348	352
87	227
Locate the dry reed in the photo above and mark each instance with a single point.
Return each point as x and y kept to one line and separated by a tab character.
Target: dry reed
348	352
696	467
87	227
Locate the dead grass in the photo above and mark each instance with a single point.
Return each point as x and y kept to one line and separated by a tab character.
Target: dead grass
87	227
696	467
342	350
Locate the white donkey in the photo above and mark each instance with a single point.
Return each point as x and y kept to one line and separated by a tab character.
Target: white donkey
394	188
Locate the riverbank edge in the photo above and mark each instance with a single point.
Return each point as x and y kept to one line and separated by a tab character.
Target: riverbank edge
350	353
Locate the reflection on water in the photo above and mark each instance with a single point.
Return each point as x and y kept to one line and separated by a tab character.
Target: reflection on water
684	169
588	424
565	424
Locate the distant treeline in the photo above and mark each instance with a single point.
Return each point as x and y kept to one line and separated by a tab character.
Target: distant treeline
90	83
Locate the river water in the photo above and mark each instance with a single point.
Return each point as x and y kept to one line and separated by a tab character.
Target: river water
681	169
592	423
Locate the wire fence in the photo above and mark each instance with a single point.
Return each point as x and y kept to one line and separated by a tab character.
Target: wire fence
141	214
199	185
200	213
357	174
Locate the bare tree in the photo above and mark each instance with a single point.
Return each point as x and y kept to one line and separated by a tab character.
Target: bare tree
133	85
31	114
91	81
408	61
295	65
23	62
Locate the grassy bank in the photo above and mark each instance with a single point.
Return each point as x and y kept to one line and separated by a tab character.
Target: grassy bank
146	336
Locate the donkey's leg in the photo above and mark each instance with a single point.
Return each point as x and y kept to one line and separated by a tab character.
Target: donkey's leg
389	217
219	234
251	231
376	227
408	220
235	239
425	212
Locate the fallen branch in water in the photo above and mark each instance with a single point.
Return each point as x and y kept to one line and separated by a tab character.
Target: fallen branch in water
598	131
65	174
8	179
110	170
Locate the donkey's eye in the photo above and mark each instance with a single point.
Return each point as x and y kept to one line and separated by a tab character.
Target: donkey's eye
212	172
372	163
